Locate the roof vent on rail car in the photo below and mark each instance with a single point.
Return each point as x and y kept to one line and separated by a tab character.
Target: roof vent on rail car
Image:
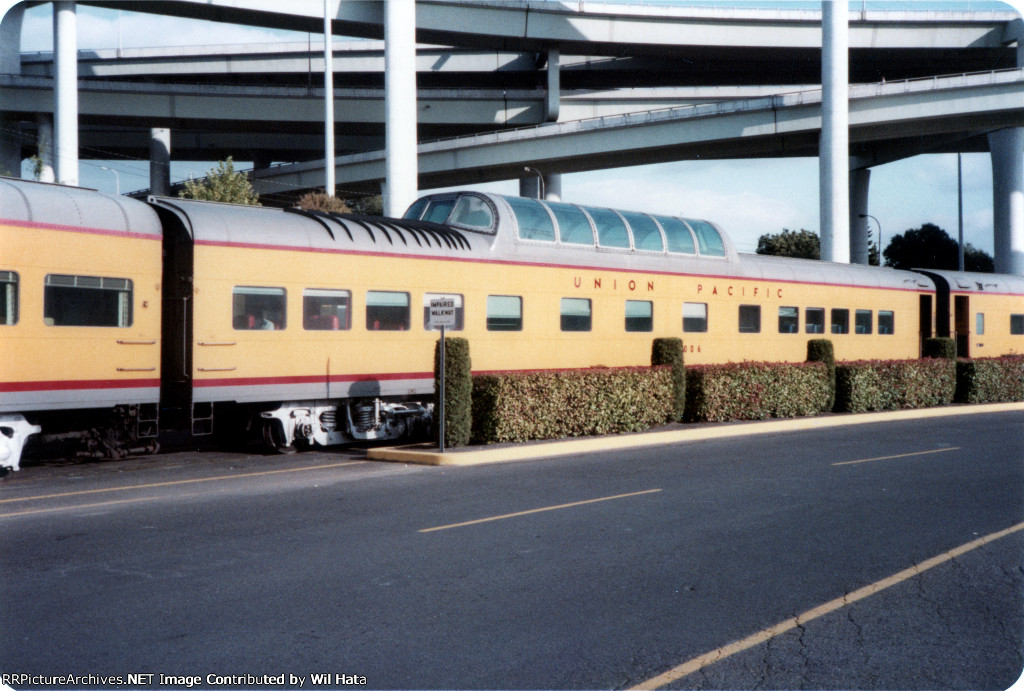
387	231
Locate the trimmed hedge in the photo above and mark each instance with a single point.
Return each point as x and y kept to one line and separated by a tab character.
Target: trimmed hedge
821	350
990	380
521	406
755	391
894	384
458	392
669	351
939	347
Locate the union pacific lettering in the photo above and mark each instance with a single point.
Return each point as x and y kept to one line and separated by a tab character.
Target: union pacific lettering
602	283
769	292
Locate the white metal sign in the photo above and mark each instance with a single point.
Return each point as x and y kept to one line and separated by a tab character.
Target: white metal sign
442	312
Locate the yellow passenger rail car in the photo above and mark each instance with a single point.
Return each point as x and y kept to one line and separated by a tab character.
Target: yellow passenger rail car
313	327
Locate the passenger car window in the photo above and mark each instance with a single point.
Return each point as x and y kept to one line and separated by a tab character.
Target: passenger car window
8	298
695	317
789	320
840	321
504	313
1017	324
87	301
646	235
639	315
979	323
611	230
573	225
256	308
532	219
677	234
750	319
887	322
387	311
862	321
575	314
459	310
814	320
326	310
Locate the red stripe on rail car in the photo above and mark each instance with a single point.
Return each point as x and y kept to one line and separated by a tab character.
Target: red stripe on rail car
310	379
77	385
80	229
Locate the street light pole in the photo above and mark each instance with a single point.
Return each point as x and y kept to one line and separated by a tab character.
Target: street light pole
540	180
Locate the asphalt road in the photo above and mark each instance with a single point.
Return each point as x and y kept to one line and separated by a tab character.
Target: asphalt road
597	571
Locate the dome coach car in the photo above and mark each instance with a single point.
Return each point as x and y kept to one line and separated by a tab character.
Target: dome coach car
123	318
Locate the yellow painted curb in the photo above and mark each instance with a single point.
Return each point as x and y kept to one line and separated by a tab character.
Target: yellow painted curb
428	455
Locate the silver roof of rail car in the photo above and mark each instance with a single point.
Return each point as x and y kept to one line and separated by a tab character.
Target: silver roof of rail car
77	207
294	228
974	282
774	268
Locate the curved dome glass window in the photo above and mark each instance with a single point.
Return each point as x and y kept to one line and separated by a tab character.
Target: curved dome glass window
646	235
708	239
533	219
678	235
472	212
611	230
573	225
438	210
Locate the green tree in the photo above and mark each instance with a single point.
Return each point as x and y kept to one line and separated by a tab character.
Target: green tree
802	244
930	247
321	201
222	184
370	205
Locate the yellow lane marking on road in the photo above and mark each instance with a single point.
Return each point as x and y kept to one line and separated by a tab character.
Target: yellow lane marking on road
698	663
96	505
171	483
540	510
902	455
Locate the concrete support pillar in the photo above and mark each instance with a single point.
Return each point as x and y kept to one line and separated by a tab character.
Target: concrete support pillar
834	148
553	187
860	235
160	161
261	160
554	96
400	164
10	145
1007	151
44	146
10	36
529	187
65	41
329	172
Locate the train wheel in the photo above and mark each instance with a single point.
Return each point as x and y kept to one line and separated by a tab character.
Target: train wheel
273	437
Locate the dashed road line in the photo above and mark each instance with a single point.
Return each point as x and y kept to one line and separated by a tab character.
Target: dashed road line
902	455
539	510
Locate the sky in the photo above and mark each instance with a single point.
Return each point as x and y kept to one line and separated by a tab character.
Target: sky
746	198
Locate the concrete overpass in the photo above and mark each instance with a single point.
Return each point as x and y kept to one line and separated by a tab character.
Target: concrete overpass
938	114
532	42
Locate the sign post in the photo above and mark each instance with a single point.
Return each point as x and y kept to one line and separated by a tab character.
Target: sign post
442	314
